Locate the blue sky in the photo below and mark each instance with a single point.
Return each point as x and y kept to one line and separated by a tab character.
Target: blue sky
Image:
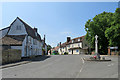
56	20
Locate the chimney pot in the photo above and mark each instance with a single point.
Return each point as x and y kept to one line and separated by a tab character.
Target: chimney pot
35	29
68	39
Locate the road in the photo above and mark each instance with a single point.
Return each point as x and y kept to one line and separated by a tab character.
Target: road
64	66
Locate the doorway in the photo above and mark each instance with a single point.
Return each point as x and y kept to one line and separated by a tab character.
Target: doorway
72	51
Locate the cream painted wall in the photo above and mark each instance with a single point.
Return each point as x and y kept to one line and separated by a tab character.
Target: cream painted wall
76	45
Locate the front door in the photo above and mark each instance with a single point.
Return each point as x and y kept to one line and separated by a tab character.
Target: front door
72	51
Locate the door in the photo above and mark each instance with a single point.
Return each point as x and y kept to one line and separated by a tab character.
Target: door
72	51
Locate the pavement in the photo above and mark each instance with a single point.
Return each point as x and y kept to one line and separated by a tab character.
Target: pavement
63	66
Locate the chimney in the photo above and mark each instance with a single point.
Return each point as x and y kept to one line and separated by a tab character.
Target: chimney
60	45
68	39
35	29
44	38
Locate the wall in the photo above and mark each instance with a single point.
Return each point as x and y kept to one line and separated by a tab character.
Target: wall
76	45
16	47
46	49
13	29
11	55
32	49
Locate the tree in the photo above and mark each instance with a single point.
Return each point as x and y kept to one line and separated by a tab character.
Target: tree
48	47
102	25
113	33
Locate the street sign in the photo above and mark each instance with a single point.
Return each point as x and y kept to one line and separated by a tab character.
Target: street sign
113	47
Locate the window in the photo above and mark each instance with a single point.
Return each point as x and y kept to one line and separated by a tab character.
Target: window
69	50
68	46
78	39
18	28
72	45
78	45
77	50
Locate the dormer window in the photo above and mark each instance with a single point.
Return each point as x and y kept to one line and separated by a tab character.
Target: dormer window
18	28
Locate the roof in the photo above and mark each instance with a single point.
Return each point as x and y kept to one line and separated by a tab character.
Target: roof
75	41
64	44
30	31
56	48
13	40
5	28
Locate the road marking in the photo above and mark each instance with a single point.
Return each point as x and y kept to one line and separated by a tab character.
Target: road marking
81	67
111	64
83	60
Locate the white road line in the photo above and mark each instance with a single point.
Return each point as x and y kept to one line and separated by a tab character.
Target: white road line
83	60
111	64
81	67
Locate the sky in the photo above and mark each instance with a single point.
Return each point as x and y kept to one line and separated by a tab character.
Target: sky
57	20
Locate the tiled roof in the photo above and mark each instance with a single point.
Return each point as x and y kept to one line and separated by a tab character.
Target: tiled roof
56	48
4	28
13	40
75	41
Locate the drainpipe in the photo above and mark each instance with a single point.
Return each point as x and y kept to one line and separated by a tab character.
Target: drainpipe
26	45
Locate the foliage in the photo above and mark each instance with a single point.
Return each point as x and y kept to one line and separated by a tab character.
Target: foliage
66	53
107	26
113	33
49	47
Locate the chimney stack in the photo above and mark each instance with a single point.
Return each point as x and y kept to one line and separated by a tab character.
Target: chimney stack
35	29
44	38
60	45
68	39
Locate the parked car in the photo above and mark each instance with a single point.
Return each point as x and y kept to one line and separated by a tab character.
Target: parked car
55	53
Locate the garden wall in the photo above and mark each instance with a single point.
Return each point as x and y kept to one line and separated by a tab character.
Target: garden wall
11	55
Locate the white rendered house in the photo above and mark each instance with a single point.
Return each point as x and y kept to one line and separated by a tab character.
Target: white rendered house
20	31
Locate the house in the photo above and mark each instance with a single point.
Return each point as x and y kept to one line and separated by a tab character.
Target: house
74	46
55	49
19	35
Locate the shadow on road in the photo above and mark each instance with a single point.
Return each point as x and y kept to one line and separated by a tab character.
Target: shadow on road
42	58
38	58
29	59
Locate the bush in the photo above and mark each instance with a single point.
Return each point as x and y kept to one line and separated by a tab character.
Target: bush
66	53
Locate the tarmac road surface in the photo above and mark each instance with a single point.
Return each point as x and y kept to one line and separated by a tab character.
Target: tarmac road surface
64	66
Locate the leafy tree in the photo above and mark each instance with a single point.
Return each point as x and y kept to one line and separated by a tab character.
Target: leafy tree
113	33
106	26
49	47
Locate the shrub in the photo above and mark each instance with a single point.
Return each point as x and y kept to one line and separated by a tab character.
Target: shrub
66	53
